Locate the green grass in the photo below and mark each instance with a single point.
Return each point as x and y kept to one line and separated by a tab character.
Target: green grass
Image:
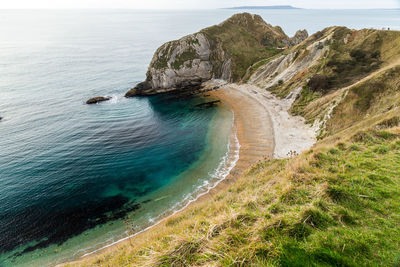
348	62
353	221
347	218
246	40
364	52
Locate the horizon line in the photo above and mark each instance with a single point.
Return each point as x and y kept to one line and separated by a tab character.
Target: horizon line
217	8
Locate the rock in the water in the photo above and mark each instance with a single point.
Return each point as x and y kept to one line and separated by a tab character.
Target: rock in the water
138	89
208	104
224	51
97	99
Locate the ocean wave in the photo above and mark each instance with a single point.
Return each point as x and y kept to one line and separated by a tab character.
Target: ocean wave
116	99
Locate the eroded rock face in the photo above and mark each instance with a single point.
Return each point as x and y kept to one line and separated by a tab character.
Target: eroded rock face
287	66
299	37
183	63
179	61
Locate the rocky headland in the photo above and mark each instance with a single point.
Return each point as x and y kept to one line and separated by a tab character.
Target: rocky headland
223	51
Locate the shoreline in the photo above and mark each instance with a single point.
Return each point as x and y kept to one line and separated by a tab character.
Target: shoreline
257	121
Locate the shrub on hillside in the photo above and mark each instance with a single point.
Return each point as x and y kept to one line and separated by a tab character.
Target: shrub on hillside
318	82
317	35
358	54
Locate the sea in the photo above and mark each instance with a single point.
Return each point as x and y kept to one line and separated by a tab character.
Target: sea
75	178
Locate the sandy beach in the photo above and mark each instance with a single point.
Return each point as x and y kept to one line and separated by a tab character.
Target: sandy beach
291	134
253	126
260	122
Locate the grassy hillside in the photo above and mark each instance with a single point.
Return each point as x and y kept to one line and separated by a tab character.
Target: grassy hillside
351	56
374	96
247	39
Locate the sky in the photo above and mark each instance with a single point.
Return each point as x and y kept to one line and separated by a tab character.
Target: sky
197	4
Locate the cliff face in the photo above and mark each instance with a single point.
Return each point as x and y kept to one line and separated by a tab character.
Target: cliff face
285	67
299	37
182	63
224	51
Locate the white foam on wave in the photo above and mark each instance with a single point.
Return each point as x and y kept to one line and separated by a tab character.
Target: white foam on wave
115	99
226	165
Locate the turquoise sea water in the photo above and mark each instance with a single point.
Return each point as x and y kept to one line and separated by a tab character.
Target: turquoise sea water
71	174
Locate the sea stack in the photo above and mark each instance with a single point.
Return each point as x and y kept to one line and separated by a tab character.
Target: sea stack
223	51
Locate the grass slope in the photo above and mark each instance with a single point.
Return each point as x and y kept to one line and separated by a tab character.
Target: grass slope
352	56
374	96
247	39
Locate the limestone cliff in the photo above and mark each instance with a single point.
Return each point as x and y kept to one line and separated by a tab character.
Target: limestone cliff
223	51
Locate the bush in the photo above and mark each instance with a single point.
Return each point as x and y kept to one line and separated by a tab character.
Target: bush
183	255
337	194
318	35
382	149
315	218
299	231
318	82
392	122
358	55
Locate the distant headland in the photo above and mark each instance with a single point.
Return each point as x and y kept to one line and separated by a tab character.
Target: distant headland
263	7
